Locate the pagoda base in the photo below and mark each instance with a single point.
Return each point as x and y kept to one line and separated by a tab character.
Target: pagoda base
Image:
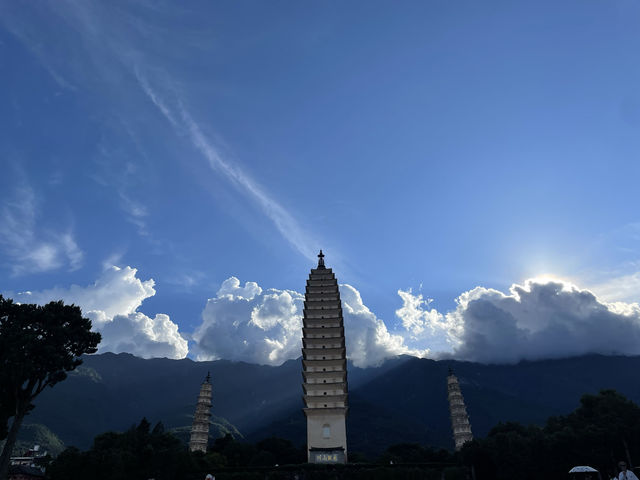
326	437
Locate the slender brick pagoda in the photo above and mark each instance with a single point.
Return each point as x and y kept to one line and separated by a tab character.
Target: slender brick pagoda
324	368
200	428
459	418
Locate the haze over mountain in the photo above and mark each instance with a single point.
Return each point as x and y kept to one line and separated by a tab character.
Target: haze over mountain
403	400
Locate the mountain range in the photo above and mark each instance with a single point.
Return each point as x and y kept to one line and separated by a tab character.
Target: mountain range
402	400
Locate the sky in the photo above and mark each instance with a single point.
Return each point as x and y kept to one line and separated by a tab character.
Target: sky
469	169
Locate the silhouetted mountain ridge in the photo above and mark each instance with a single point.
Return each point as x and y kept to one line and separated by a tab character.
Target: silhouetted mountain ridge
405	399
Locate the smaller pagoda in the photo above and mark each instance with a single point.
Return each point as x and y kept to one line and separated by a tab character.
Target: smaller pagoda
459	418
200	428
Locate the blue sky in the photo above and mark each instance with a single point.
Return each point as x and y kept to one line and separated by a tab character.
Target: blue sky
426	146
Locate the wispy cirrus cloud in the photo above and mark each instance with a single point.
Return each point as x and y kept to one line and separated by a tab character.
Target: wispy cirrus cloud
111	45
136	212
95	40
182	121
29	36
29	248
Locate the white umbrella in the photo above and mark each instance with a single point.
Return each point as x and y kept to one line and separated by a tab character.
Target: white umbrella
583	468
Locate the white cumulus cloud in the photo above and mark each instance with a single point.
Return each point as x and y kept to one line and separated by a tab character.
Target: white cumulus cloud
426	326
539	320
112	304
249	324
419	320
369	342
265	326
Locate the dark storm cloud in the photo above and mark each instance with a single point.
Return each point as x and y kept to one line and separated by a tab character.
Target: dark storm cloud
542	320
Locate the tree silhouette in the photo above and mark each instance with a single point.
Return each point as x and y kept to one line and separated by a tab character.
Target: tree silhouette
603	429
38	345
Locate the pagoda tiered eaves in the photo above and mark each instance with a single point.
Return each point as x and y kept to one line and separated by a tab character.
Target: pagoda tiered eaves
199	438
459	417
323	342
320	377
328	365
315	353
322	387
324	365
332	332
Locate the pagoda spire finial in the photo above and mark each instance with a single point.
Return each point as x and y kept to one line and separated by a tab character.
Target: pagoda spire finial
321	260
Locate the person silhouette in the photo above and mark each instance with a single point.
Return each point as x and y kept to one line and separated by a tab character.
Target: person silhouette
624	473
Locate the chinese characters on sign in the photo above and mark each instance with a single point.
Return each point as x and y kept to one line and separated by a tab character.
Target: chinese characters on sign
329	457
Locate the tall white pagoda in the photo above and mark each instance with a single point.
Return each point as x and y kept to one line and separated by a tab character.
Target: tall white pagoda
200	428
324	368
459	418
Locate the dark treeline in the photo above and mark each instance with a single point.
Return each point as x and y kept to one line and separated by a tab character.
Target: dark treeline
145	452
605	428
